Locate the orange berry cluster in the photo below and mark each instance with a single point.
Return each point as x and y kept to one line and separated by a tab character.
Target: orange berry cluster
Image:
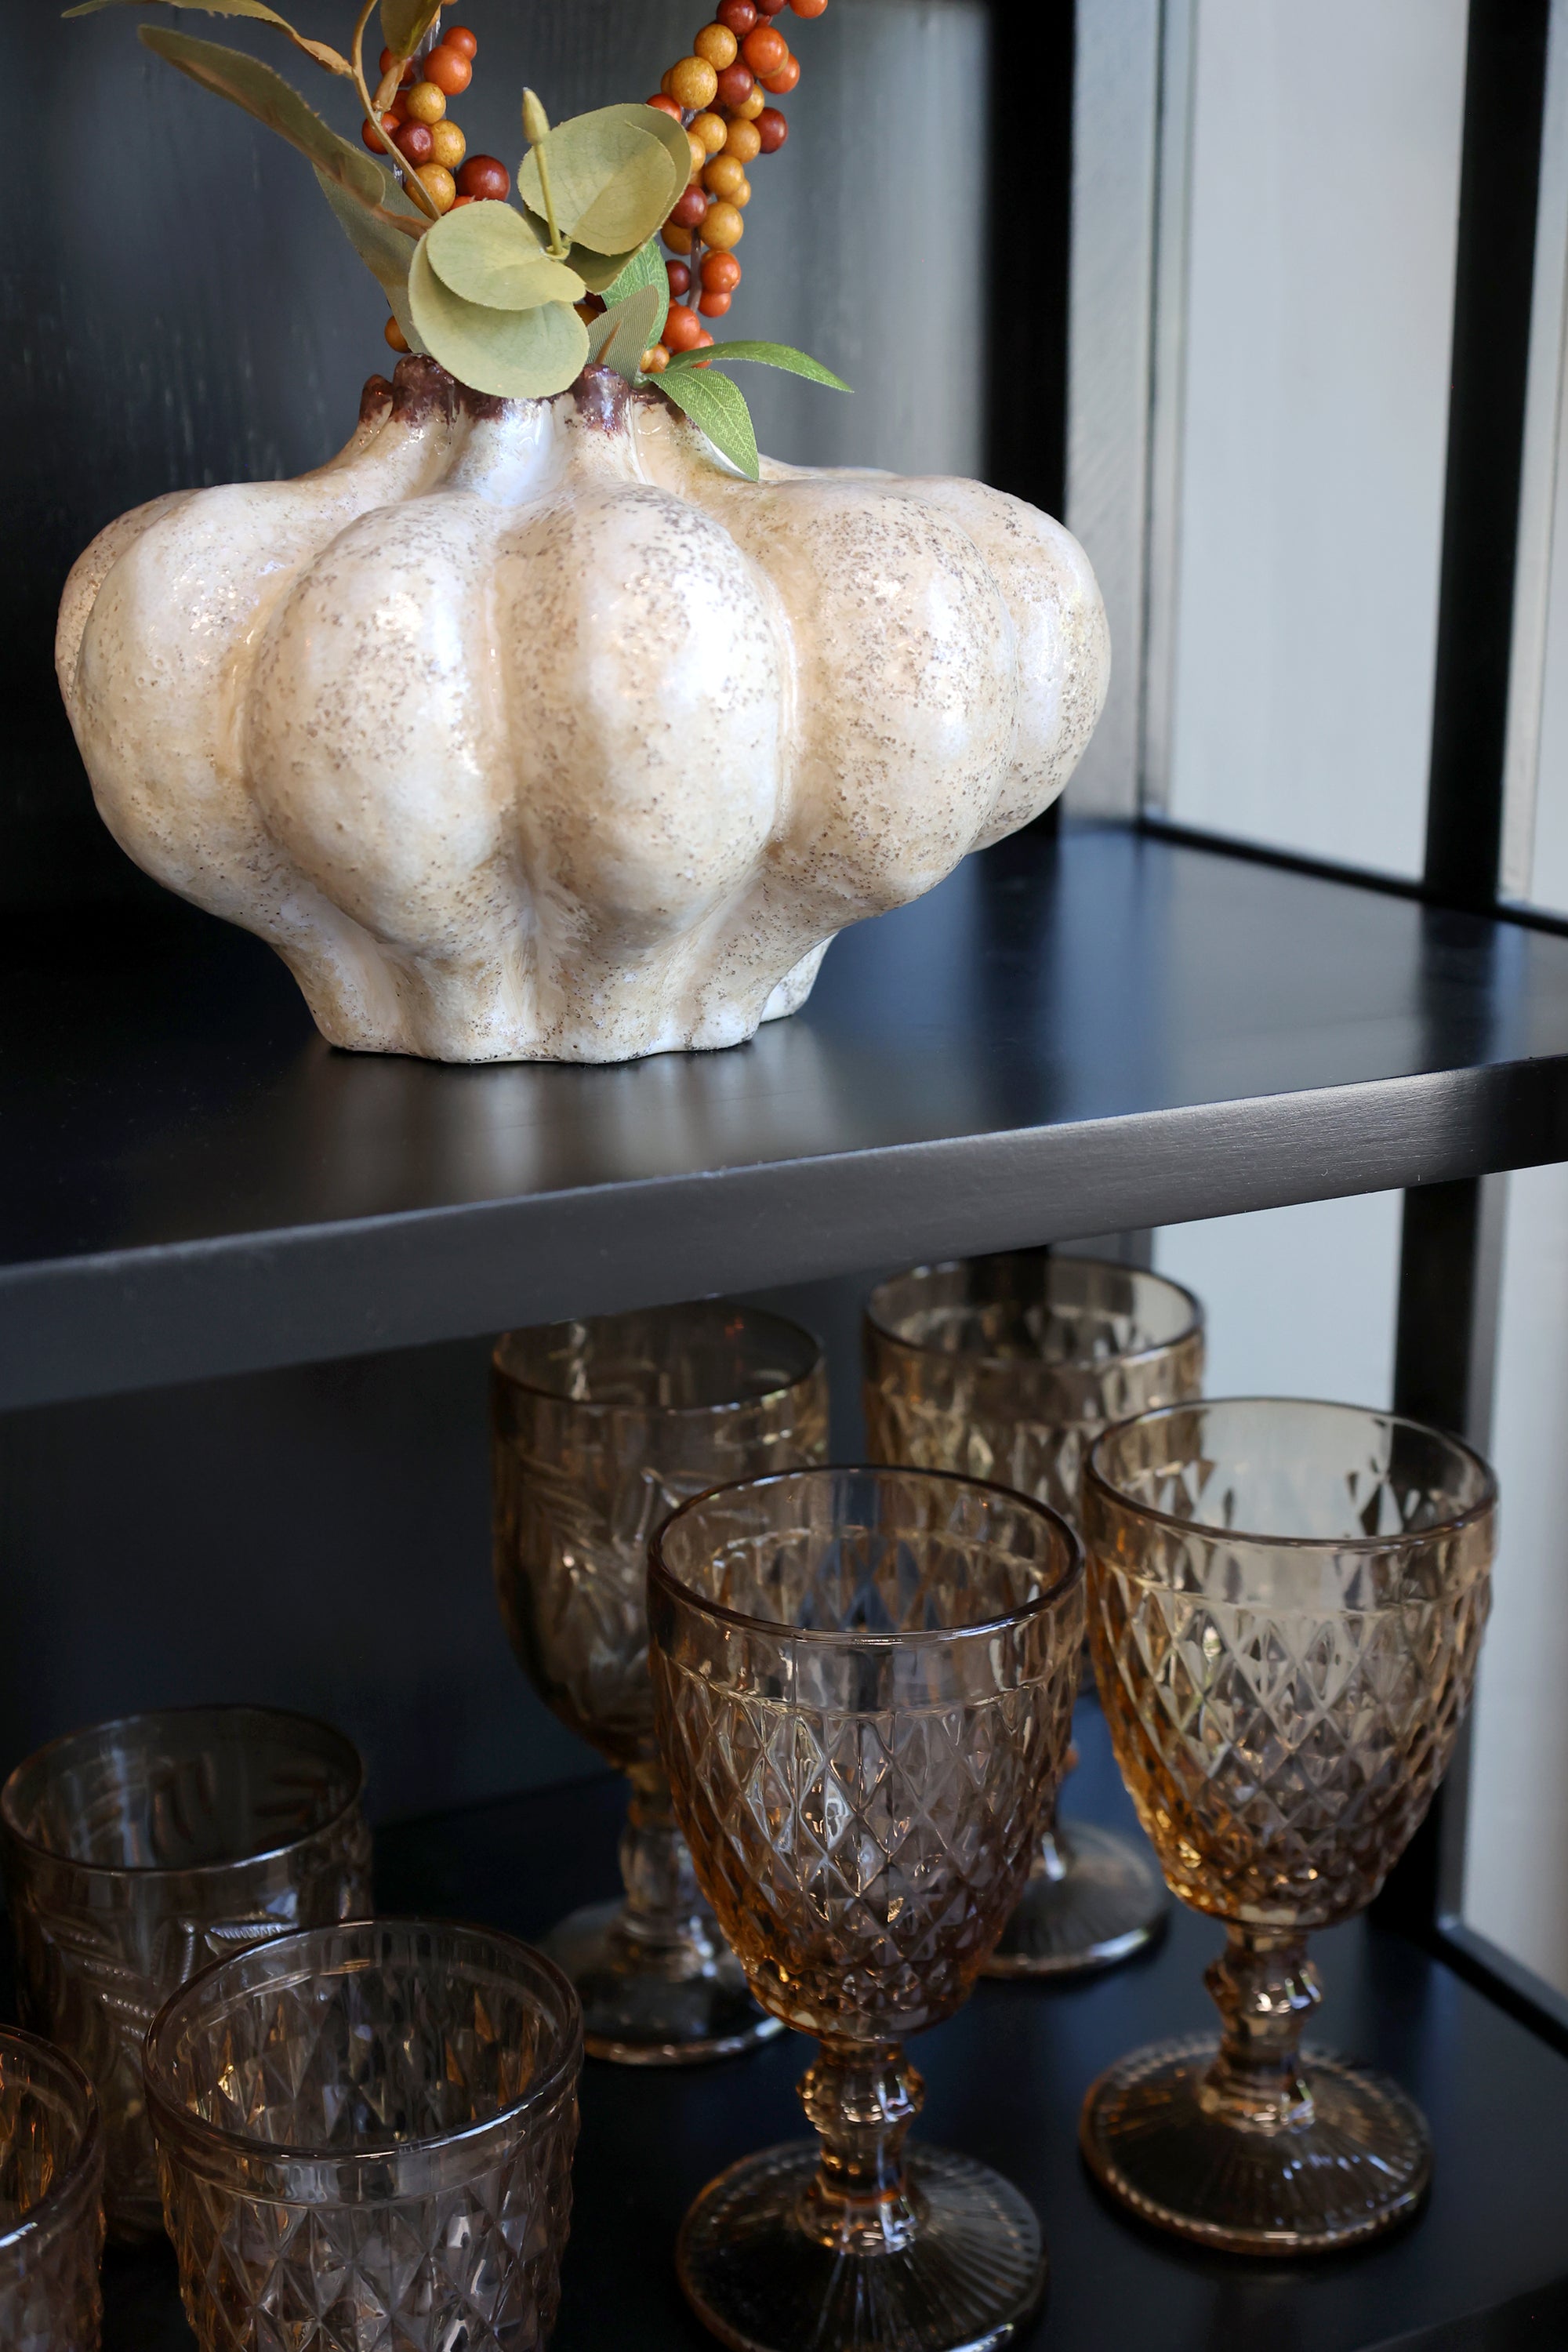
431	145
720	93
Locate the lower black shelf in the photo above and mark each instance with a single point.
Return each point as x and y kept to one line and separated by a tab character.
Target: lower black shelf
1483	2269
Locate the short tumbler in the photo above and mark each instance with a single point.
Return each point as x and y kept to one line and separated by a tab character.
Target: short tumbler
1286	1602
138	1851
600	1429
51	2200
865	1683
1007	1368
364	2137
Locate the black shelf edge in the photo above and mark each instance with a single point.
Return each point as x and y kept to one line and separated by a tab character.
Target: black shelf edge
1071	1036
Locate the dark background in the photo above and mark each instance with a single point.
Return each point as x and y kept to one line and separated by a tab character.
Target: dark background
178	307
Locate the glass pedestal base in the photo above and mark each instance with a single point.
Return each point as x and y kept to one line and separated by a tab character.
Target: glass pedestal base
1096	1898
1353	2165
969	2278
675	2004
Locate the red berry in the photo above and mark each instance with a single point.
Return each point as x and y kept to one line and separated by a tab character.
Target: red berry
463	41
690	209
740	15
771	7
665	106
449	69
784	80
713	306
377	146
680	278
407	74
809	8
682	329
736	84
720	273
765	50
773	130
414	143
483	175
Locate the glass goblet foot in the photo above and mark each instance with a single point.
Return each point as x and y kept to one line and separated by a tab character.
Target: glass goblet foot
678	2001
1093	1897
1351	2162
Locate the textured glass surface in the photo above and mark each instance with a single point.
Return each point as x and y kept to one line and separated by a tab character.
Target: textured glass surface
1007	1368
601	1429
138	1851
51	2200
1287	1604
365	2139
864	1683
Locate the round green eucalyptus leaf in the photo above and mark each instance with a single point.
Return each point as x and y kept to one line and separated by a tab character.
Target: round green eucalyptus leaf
613	178
597	270
516	354
488	254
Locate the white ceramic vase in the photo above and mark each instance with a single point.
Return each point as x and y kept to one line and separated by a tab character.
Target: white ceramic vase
527	730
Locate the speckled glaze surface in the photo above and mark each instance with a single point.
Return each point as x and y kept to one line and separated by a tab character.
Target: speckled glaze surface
526	730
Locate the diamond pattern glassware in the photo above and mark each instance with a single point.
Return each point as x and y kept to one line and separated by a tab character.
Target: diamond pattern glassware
600	1430
1007	1368
51	2200
864	1684
365	2139
1286	1605
137	1851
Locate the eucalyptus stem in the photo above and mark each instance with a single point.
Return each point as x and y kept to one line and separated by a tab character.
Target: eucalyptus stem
411	181
536	129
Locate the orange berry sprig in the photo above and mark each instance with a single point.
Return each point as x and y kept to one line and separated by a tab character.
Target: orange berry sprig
720	93
430	143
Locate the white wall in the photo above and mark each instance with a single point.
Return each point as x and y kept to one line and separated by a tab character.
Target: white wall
1323	199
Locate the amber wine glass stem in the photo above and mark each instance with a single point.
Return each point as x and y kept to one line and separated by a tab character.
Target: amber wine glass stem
861	2098
665	1911
1264	1987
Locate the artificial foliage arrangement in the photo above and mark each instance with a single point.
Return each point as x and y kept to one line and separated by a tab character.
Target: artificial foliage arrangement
516	298
548	720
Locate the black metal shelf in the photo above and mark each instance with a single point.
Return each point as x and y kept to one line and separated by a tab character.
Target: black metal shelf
1481	2269
1071	1036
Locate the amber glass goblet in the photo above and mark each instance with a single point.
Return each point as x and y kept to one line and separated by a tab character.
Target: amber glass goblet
864	1681
1286	1606
1007	1368
137	1851
365	2139
600	1429
51	2200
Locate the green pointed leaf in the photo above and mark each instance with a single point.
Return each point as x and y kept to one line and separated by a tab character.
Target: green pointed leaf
404	23
488	254
320	50
247	82
385	250
778	356
718	408
627	328
517	354
646	268
612	177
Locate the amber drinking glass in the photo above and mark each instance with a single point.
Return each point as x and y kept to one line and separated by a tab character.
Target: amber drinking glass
601	1428
51	2200
1286	1606
139	1851
1007	1368
364	2137
864	1681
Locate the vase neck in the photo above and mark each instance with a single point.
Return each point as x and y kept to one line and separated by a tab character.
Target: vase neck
1264	1987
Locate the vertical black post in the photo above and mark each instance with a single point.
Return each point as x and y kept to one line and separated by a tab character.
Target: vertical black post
1449	1250
1029	241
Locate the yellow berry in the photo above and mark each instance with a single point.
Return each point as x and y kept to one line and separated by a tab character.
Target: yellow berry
654	362
752	105
425	103
699	152
743	141
723	226
741	196
692	82
678	239
714	131
395	337
723	177
447	145
718	45
440	187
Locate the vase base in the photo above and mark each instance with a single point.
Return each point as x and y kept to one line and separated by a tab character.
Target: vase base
1109	1903
650	2010
970	2280
1357	2165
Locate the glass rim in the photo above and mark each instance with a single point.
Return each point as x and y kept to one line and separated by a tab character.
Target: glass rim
668	1411
1194	1329
144	1871
1453	1523
63	2185
984	1629
564	2060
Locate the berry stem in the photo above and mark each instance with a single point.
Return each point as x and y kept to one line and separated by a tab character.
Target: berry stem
412	184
